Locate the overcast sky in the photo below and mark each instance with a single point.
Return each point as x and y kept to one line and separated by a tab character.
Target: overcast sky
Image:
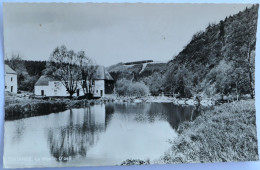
109	33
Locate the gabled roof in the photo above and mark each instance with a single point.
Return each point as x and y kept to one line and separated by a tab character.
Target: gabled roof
43	81
8	70
100	74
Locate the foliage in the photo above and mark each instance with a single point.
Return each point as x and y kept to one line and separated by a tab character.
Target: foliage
207	138
180	81
152	75
154	82
127	88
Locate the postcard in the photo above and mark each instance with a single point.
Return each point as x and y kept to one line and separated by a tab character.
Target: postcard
102	84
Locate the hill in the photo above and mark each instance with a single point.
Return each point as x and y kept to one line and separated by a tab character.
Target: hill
218	60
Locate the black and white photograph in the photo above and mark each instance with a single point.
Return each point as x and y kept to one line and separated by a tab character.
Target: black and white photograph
114	84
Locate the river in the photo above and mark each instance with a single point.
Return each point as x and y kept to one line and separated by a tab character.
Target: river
105	134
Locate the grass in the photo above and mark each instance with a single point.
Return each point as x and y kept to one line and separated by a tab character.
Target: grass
222	134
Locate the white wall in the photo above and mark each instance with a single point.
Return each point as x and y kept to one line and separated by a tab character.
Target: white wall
55	88
11	81
99	86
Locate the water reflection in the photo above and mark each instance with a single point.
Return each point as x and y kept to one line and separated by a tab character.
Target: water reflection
77	137
98	135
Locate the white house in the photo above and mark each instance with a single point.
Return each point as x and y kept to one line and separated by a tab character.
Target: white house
47	86
10	80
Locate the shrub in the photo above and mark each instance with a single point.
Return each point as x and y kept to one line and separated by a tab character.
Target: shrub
128	88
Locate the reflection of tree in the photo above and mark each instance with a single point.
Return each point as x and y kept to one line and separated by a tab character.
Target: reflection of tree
76	138
19	131
172	113
109	109
163	111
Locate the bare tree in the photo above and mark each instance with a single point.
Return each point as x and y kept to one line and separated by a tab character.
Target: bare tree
63	67
88	70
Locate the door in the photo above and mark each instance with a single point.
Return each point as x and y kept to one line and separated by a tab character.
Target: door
77	92
42	92
11	88
101	93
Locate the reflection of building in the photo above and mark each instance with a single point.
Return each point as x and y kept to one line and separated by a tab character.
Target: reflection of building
100	84
10	80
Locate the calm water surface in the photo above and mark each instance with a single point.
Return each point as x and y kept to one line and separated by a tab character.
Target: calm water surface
98	135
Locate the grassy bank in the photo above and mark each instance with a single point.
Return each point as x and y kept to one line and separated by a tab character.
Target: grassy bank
225	133
16	109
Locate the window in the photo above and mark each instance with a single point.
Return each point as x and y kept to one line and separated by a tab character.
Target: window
96	91
11	78
5	87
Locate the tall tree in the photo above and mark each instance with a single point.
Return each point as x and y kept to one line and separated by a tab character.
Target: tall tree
63	67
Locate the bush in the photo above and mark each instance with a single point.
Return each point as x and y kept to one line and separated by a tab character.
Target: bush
128	88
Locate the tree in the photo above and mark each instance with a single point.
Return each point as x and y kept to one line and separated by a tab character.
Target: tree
155	82
87	72
179	81
63	67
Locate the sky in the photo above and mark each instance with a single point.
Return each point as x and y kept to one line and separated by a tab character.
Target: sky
108	33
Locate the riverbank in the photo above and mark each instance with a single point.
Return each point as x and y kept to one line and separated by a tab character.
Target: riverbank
163	99
26	107
225	133
222	134
22	106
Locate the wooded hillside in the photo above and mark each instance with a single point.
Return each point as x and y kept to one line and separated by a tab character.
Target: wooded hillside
219	60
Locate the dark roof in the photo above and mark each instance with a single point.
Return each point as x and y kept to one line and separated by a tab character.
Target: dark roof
8	70
43	81
100	74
